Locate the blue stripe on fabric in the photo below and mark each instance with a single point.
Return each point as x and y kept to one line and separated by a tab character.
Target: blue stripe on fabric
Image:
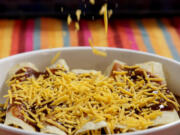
145	37
168	39
65	34
37	44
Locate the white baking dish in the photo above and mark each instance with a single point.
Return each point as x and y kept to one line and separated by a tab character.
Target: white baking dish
82	57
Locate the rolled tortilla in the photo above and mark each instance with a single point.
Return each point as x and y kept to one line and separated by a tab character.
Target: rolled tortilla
17	67
90	125
47	127
93	126
167	116
13	114
109	69
60	62
81	71
52	130
155	68
14	117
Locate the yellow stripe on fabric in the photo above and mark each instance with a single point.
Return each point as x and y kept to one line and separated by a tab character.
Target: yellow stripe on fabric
97	30
51	33
156	37
6	29
138	36
174	35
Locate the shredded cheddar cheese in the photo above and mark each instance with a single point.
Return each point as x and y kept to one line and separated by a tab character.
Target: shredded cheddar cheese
95	51
77	26
69	20
92	2
62	9
78	14
68	100
104	12
55	58
110	12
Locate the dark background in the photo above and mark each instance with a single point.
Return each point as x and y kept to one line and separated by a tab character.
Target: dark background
121	8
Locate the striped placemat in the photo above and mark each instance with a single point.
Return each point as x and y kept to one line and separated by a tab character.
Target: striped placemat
160	36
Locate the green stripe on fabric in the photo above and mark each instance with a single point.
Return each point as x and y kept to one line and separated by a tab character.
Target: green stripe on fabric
168	39
37	27
65	34
145	37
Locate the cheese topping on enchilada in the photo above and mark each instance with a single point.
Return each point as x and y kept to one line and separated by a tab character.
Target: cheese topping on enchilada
130	96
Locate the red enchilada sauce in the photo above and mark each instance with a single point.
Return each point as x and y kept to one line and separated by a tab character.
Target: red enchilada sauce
29	72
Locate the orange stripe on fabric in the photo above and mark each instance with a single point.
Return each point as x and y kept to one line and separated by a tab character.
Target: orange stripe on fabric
44	37
97	30
73	35
15	37
156	37
173	33
51	33
6	29
138	36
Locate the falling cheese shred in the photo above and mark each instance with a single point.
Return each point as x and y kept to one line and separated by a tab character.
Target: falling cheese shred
104	12
69	20
95	51
92	2
78	14
54	59
110	12
68	100
77	27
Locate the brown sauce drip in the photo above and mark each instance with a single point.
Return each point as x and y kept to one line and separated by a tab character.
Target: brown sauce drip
16	112
168	107
116	67
29	72
137	72
15	109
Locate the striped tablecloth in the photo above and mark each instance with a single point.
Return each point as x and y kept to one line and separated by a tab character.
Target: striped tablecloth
160	36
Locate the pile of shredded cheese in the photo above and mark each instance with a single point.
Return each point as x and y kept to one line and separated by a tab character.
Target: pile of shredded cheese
68	100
